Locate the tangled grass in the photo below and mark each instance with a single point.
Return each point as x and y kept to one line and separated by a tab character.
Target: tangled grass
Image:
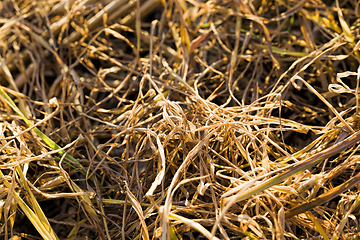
179	119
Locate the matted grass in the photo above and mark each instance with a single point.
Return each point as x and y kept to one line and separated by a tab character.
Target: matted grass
179	119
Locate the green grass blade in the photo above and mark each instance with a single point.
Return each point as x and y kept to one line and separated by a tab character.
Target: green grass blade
45	138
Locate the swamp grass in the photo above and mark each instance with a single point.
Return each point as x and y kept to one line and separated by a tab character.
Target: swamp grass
179	119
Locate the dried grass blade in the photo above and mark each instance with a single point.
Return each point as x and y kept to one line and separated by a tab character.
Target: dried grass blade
344	221
331	107
325	197
34	203
73	232
343	24
8	206
193	225
93	22
43	228
282	51
137	207
298	167
318	226
179	171
199	40
88	204
291	170
267	35
12	83
160	176
89	207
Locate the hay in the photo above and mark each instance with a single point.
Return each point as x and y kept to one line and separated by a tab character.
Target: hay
179	119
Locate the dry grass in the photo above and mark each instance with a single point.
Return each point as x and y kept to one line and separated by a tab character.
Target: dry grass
179	119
